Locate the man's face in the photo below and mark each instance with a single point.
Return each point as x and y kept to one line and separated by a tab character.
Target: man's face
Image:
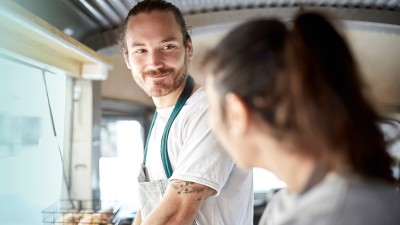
156	55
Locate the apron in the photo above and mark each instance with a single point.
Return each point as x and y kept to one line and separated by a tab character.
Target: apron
151	192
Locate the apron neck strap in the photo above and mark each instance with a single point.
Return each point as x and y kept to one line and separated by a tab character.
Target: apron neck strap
189	86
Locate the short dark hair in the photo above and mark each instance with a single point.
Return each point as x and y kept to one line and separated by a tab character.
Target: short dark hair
304	83
148	6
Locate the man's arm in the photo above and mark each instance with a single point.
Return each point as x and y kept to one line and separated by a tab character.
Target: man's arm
138	218
180	204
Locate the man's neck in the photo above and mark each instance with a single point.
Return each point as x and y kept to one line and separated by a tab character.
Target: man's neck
168	100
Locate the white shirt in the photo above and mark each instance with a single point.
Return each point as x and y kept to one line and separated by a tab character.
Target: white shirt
196	156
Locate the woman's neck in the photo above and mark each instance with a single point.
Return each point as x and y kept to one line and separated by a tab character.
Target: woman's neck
297	173
288	165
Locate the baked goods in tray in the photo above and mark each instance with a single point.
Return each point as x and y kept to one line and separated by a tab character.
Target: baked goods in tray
83	218
68	219
94	219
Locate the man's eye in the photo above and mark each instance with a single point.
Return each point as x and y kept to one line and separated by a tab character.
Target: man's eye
169	46
139	51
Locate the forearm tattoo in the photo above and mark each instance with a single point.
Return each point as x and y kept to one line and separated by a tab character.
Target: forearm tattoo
186	187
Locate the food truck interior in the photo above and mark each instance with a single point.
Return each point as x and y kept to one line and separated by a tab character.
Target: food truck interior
73	121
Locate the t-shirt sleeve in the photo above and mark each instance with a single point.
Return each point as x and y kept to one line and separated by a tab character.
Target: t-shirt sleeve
202	159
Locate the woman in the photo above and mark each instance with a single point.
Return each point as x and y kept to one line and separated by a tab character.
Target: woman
288	98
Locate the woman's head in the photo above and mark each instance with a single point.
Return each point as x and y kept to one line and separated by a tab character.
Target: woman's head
300	82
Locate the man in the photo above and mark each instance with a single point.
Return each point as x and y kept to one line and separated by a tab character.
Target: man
186	177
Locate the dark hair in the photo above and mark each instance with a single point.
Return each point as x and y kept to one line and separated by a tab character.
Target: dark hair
148	6
302	80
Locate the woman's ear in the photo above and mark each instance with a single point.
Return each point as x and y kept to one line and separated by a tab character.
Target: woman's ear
238	115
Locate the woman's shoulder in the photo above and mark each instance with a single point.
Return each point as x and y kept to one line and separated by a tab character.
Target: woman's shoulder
338	200
373	200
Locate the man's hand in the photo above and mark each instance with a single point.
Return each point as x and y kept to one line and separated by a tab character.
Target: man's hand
180	204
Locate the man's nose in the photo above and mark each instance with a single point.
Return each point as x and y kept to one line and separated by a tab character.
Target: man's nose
155	60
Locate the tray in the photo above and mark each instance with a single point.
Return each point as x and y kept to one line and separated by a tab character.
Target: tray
79	212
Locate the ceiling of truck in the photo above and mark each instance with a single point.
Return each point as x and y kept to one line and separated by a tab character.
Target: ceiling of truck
96	23
373	29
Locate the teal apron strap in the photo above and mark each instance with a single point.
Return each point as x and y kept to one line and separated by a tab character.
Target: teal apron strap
164	140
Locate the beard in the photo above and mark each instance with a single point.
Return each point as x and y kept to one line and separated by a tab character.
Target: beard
162	87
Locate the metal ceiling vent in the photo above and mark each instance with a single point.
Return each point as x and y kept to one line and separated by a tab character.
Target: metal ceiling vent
111	14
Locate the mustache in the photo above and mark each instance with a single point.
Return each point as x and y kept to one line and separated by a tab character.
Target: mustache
158	72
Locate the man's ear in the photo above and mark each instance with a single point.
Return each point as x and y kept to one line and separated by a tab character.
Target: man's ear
189	47
126	57
238	115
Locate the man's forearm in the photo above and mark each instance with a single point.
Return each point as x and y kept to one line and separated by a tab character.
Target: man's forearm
138	219
180	204
163	215
171	212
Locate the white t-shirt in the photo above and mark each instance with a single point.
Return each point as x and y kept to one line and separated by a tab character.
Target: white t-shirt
337	200
196	156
